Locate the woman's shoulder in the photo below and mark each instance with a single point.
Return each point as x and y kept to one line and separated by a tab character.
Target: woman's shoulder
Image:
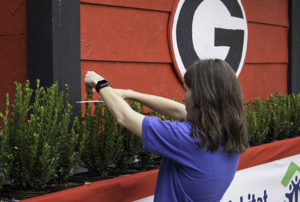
179	125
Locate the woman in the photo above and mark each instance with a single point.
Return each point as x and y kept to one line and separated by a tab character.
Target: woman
201	149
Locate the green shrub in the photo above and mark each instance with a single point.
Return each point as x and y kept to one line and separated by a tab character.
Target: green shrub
105	145
274	118
39	140
281	117
258	120
100	146
295	108
4	154
132	144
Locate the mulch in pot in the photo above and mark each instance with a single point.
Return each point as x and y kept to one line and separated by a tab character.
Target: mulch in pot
10	193
91	177
71	183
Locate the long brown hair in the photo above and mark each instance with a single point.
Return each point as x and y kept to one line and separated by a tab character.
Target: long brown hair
217	117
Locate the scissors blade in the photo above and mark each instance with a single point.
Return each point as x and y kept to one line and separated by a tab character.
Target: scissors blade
91	101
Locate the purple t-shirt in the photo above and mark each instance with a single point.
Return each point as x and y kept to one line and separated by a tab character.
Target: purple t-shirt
187	172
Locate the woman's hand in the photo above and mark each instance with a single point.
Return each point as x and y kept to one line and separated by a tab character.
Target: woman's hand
91	79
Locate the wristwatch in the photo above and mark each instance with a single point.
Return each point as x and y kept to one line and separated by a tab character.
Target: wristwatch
102	84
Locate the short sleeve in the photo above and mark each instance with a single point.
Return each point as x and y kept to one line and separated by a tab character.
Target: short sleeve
165	137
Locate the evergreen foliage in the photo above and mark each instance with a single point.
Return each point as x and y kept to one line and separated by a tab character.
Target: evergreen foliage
275	118
105	145
41	144
38	140
100	145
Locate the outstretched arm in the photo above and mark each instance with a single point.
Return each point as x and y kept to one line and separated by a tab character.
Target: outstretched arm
167	107
119	108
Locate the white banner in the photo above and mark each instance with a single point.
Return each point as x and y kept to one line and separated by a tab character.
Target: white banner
274	181
277	181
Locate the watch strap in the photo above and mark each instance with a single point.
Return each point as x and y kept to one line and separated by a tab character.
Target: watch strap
102	84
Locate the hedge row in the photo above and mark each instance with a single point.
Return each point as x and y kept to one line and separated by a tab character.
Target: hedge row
41	144
274	118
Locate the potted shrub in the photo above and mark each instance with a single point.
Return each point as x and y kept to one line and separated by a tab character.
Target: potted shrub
108	149
275	118
38	138
99	146
34	153
4	156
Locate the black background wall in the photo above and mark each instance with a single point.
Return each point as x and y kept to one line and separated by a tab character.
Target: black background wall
294	47
53	28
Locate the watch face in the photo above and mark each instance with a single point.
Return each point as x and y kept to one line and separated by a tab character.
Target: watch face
101	84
